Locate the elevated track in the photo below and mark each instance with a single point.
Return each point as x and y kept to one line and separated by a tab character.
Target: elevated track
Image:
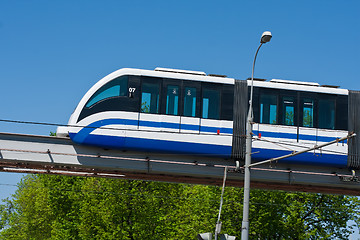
54	155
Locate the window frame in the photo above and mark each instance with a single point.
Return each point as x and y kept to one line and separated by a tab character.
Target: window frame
198	86
227	102
257	103
326	99
211	87
156	81
282	109
114	82
170	82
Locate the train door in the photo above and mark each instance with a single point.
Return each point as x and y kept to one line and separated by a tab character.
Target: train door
210	109
266	110
307	119
170	106
288	117
149	118
191	95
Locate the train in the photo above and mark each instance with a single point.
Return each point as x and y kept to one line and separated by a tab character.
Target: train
176	111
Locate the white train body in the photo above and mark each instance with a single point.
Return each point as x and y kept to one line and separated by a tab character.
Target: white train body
188	112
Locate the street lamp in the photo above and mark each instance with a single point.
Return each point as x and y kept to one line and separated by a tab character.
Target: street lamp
265	37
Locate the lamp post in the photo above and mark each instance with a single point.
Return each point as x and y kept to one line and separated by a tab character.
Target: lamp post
266	37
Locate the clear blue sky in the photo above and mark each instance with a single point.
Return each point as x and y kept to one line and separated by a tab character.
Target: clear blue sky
52	52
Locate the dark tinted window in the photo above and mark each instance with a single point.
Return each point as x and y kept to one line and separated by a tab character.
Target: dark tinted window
150	97
341	117
288	111
210	103
227	102
114	96
308	112
268	109
115	88
326	113
190	102
172	100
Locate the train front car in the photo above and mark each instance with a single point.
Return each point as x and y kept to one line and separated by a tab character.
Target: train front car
189	112
165	110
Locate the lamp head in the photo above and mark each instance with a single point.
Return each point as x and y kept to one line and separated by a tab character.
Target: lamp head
266	37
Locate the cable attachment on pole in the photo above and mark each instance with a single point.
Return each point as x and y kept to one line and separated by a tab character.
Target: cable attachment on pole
352	178
238	168
218	223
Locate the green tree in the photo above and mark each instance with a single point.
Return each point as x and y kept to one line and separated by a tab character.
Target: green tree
145	107
289	118
58	207
307	118
27	215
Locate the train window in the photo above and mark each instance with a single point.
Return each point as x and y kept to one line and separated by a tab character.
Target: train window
210	103
288	111
326	113
115	88
268	109
190	102
308	112
227	102
341	112
150	98
172	100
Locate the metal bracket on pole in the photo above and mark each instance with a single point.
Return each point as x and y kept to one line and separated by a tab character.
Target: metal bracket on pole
353	178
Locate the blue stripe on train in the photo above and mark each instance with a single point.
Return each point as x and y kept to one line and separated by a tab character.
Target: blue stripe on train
153	145
205	149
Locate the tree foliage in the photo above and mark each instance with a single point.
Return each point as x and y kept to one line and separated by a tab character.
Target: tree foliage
57	207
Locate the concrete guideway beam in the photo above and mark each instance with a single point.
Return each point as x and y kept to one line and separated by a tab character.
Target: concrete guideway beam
53	155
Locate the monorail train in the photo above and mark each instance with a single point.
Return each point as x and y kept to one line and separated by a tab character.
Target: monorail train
189	112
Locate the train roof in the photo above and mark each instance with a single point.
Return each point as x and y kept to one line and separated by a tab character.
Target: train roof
274	83
203	77
172	73
299	86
